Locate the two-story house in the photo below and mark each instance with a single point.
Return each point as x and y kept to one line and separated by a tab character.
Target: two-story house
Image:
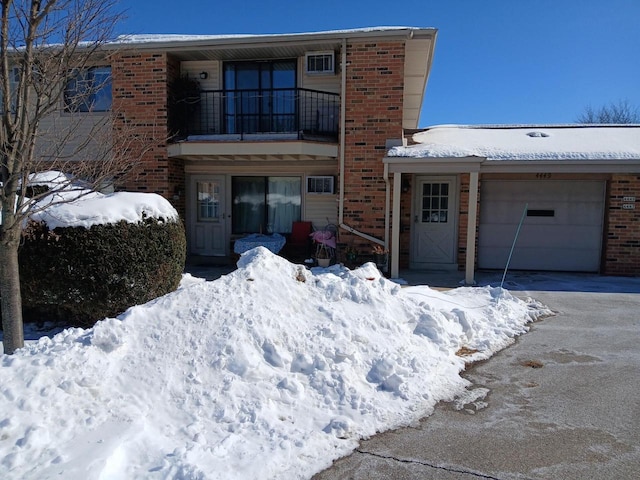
257	132
266	130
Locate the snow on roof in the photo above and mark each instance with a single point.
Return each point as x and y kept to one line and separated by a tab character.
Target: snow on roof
526	142
164	38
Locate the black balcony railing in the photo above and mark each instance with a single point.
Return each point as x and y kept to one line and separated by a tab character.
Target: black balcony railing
301	112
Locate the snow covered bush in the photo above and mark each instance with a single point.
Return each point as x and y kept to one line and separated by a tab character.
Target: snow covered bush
86	255
81	275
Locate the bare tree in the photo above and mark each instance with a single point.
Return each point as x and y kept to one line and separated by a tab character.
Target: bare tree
621	112
47	48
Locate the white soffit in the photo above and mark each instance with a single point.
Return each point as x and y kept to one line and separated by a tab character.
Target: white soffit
417	65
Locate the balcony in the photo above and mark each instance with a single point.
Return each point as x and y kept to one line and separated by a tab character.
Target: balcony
266	114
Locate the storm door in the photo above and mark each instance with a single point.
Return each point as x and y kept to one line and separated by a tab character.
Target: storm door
207	215
434	223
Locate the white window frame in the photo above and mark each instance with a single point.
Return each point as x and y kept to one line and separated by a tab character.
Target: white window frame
328	71
325	182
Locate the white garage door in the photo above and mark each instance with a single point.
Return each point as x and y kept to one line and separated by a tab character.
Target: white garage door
562	229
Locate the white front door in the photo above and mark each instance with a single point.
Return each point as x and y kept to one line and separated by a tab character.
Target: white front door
207	215
434	237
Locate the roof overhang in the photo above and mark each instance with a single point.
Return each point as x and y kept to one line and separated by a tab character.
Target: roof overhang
484	165
417	67
230	47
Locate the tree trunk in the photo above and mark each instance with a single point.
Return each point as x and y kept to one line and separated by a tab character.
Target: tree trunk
11	298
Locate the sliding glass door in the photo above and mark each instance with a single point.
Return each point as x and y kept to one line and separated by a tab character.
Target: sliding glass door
265	204
260	96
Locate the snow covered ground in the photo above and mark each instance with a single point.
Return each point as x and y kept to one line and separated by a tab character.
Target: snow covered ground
272	371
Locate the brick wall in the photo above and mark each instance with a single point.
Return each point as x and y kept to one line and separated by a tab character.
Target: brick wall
373	96
140	85
176	175
622	239
463	220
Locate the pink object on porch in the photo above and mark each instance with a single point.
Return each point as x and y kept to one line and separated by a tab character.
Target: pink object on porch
325	237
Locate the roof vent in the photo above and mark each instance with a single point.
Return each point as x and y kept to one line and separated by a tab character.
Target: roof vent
537	134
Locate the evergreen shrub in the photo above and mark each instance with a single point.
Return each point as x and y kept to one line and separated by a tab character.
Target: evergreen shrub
80	275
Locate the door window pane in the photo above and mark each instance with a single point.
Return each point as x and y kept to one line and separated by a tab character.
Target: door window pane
435	202
208	201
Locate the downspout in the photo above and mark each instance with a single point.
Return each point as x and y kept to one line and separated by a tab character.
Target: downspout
343	131
343	128
387	204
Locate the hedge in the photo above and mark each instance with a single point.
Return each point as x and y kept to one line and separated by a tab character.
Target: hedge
78	276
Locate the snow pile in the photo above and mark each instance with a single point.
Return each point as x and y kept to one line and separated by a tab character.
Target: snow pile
272	371
70	204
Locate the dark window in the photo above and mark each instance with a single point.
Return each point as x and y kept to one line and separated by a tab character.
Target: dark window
265	204
260	96
320	184
89	90
14	78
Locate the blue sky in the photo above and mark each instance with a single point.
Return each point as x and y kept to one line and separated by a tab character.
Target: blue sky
496	61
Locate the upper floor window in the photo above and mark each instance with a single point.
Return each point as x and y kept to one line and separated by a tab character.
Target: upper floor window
14	78
89	90
260	96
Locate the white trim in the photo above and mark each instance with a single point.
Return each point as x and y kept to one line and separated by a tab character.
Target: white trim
482	165
331	70
322	179
395	226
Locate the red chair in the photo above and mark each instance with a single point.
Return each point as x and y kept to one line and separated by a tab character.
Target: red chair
298	246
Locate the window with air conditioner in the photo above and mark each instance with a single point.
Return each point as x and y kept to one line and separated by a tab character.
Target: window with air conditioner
321	185
318	63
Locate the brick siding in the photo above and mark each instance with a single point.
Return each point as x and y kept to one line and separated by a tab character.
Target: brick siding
622	228
140	91
373	96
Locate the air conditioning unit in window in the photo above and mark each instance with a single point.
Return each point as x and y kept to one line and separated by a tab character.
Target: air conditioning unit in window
320	185
320	63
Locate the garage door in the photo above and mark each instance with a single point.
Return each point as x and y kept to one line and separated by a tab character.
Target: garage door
562	229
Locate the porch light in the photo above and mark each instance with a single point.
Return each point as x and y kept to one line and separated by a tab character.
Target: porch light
204	75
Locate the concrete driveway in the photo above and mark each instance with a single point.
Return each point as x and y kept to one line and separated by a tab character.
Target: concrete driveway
562	403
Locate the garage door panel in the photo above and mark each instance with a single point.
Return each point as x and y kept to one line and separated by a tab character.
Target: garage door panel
581	261
542	237
562	231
